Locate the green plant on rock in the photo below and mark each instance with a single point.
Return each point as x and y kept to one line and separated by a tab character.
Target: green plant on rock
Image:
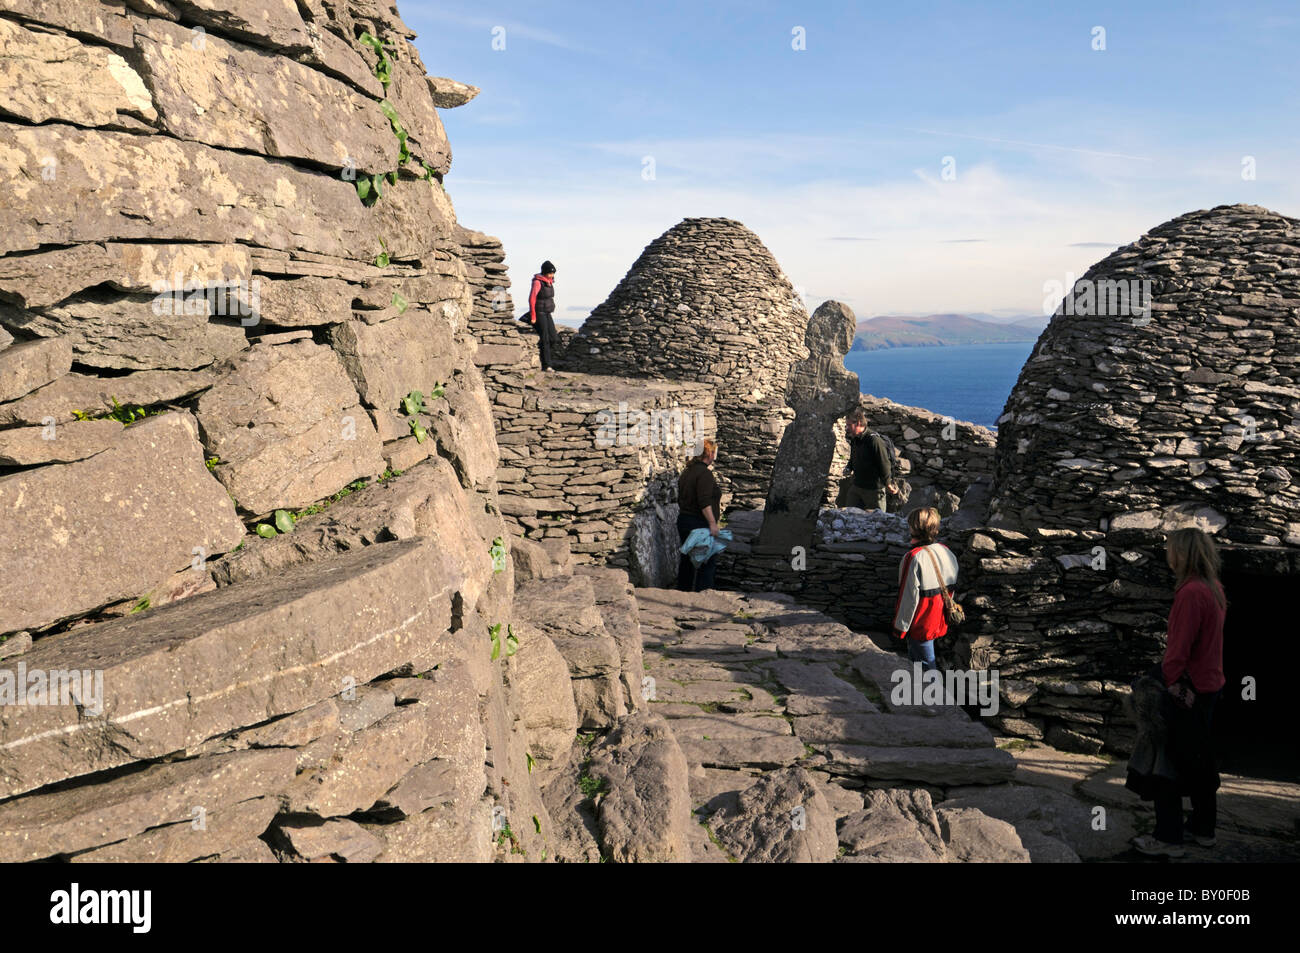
498	553
420	433
212	462
381	260
384	68
400	303
494	633
531	764
140	606
282	522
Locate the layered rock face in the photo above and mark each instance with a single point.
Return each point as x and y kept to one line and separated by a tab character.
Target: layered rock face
707	302
234	306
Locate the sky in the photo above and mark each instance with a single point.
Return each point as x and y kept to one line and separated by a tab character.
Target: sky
904	158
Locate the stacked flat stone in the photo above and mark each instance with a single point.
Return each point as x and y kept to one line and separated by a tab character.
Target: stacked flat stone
507	348
941	457
1140	421
1119	430
707	302
850	571
572	468
265	681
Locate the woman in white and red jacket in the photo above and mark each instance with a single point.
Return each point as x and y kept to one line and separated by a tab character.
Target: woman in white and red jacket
927	568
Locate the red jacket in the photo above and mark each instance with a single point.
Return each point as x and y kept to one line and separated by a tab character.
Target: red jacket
543	293
1195	643
918	612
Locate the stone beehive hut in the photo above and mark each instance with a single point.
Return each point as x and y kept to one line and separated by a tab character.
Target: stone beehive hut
1163	394
1123	418
707	302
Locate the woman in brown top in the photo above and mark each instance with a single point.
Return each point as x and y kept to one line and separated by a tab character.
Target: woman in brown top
698	500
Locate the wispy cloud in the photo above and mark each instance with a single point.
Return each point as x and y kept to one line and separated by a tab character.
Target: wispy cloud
513	28
1023	144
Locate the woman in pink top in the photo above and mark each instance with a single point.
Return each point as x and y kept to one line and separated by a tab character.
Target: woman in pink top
1192	670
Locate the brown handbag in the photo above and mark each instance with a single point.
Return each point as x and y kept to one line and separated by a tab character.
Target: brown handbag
952	612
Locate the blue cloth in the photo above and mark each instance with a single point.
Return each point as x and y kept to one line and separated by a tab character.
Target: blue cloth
702	545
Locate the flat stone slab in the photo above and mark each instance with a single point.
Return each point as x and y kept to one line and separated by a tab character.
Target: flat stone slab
116	523
58	443
215	662
942	766
891	731
94	396
762	751
1052	814
816	689
28	365
75	819
288	428
207	835
337	838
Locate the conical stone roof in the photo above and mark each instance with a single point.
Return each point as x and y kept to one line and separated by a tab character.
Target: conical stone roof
1182	414
707	302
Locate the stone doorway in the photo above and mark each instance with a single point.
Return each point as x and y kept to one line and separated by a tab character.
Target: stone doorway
1258	738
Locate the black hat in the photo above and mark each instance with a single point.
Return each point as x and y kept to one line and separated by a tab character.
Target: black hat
548	268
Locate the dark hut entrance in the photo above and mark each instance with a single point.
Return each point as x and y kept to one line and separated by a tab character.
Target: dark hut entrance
1261	639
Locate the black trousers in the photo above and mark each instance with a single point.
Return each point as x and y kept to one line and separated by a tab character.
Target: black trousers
1190	738
545	328
689	578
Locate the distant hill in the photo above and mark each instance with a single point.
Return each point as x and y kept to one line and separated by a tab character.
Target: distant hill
945	330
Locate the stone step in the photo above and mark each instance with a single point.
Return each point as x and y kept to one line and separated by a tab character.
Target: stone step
925	765
892	731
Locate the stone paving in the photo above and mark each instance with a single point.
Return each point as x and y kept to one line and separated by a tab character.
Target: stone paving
795	752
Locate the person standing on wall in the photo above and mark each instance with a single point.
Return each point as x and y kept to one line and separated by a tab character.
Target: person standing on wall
870	470
927	571
699	499
541	305
1192	674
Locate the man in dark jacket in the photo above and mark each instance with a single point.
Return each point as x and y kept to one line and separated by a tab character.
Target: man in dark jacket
541	305
869	465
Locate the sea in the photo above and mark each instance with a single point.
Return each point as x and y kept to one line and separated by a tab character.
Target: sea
966	381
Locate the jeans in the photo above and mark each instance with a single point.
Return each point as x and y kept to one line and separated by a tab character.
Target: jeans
922	652
1189	733
690	579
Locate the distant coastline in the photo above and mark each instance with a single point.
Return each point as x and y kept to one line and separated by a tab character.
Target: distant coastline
945	330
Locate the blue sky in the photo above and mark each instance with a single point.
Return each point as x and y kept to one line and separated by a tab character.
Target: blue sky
835	154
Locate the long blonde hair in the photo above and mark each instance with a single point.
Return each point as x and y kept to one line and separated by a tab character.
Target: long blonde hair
1194	556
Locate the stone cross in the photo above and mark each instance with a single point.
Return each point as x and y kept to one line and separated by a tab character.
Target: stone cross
821	391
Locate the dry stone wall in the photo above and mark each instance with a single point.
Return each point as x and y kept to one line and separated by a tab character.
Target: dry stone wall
595	461
707	302
586	459
941	457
